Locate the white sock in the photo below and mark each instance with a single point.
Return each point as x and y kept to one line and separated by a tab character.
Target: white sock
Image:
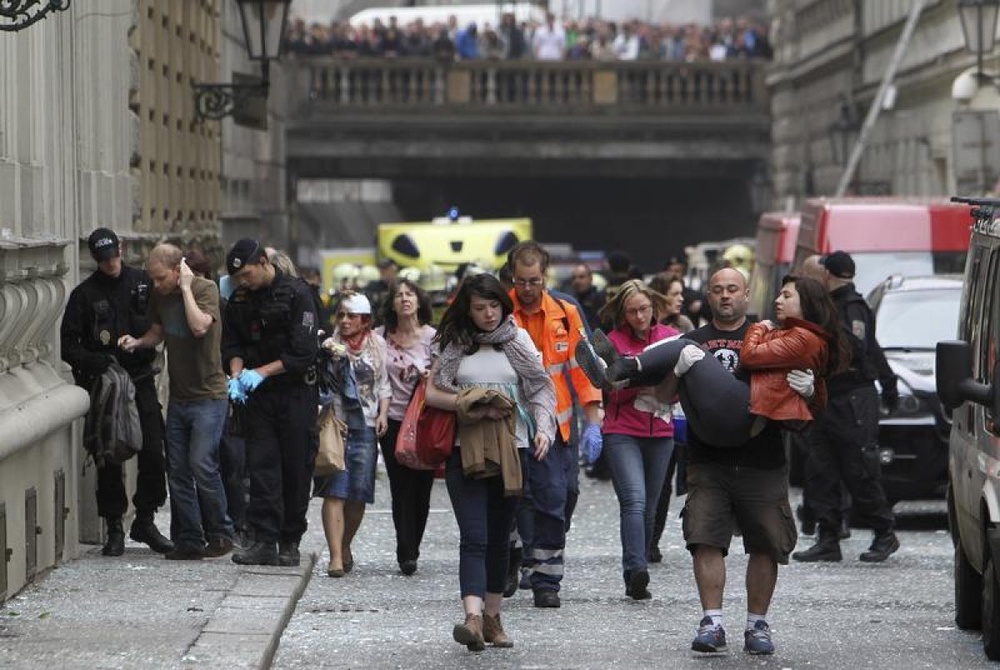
752	619
716	616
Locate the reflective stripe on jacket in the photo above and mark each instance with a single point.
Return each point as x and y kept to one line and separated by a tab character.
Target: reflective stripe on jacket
563	328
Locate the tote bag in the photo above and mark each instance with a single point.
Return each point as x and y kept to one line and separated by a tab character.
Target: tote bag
433	435
406	441
330	455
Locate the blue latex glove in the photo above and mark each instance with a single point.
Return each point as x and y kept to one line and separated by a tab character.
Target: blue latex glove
591	443
250	380
236	392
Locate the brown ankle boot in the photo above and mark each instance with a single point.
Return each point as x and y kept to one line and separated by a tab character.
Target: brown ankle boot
470	633
494	633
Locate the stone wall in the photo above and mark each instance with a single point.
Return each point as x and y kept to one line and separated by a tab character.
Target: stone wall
834	52
96	129
175	163
65	137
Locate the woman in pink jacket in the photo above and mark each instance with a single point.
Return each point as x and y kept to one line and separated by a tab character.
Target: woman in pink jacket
637	431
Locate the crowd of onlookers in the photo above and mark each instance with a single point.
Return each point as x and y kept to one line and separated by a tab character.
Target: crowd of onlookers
592	38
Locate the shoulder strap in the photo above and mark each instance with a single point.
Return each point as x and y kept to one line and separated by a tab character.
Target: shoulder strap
562	306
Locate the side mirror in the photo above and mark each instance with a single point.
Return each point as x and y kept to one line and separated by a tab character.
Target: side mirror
953	363
953	373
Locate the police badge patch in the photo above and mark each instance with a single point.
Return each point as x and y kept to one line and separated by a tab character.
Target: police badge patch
105	337
308	320
237	262
858	328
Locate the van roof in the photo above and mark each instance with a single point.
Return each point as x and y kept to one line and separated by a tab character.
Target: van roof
890	224
784	226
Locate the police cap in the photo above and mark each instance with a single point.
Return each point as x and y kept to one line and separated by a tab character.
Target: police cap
103	244
245	252
839	264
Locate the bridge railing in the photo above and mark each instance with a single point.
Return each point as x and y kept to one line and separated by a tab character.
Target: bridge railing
534	87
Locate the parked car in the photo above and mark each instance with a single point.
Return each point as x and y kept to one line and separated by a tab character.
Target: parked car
912	314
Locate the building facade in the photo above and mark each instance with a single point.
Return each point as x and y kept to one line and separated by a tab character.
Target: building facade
830	59
97	129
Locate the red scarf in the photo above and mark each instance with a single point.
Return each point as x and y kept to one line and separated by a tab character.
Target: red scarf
356	342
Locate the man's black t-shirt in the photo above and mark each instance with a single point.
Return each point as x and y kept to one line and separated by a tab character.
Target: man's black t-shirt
765	451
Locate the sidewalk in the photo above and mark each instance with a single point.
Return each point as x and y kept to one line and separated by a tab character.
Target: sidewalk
142	611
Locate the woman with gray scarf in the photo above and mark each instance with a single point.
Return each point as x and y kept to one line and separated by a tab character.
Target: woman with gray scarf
482	348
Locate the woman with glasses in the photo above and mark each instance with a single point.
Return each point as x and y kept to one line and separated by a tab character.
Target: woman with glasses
408	334
482	351
637	430
361	400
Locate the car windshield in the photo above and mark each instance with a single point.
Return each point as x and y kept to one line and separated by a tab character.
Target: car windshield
917	319
872	267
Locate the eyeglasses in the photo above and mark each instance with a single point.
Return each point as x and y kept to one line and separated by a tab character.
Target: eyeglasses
347	315
639	311
581	276
525	283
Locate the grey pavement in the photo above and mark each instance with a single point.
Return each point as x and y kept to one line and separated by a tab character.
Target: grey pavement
140	611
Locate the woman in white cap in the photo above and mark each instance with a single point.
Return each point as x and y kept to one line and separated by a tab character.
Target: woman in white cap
361	400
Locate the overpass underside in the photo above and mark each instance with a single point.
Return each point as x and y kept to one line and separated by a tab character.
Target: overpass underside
400	118
645	134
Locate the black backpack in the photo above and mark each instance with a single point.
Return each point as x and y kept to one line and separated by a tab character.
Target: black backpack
112	432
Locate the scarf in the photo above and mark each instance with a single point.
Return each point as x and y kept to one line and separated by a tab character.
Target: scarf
356	342
534	381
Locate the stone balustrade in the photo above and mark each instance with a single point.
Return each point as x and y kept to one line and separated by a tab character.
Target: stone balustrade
32	295
534	87
34	397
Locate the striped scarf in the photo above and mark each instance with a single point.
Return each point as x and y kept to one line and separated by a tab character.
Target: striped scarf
536	385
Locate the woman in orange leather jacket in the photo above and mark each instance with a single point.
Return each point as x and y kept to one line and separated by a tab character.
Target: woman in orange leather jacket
807	336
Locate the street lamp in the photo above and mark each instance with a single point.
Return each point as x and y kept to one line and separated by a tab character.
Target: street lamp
979	27
264	23
18	14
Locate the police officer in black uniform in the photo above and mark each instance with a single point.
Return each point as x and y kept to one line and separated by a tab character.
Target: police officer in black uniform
269	347
843	440
108	304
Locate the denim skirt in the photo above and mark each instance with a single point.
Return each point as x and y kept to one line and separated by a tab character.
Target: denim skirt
357	481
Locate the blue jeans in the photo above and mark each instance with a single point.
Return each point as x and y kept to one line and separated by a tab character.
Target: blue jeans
638	468
194	430
485	517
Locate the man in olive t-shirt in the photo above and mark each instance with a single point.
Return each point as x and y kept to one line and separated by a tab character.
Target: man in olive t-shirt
184	311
